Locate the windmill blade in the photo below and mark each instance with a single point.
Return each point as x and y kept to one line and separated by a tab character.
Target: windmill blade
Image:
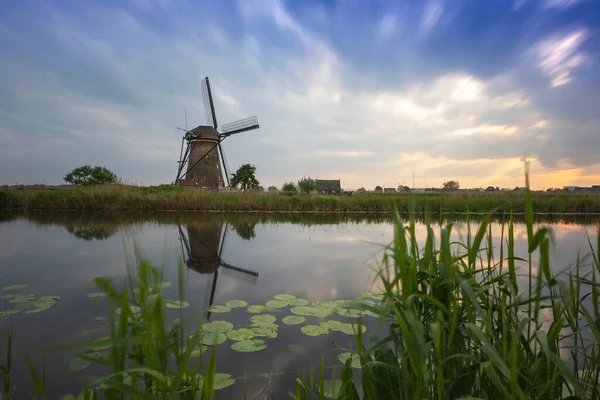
225	164
243	125
240	274
209	106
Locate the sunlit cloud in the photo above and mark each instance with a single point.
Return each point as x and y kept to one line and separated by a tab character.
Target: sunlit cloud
560	55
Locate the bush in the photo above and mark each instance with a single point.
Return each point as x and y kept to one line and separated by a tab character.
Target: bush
289	187
87	175
307	185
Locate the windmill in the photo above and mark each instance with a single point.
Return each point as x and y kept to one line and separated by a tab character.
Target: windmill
202	250
203	162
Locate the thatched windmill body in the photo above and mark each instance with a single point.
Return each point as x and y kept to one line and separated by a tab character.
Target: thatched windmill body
202	164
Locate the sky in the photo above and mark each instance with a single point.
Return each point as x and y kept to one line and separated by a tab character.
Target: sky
373	92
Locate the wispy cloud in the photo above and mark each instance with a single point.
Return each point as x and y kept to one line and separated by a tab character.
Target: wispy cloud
560	55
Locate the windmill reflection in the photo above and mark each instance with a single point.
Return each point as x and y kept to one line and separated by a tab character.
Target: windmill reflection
202	247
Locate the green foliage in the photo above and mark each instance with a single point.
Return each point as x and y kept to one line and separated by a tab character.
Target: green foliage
451	185
307	185
289	187
272	189
245	178
87	175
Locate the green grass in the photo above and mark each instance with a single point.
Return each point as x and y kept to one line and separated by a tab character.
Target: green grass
173	198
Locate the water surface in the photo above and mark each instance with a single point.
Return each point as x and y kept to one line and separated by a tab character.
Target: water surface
239	257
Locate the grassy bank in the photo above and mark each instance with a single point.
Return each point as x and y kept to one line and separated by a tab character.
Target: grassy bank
175	198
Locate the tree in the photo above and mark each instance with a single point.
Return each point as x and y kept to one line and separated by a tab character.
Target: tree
307	185
403	188
360	190
289	187
451	185
272	189
87	175
245	178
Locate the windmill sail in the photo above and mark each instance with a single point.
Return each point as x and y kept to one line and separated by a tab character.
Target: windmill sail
243	125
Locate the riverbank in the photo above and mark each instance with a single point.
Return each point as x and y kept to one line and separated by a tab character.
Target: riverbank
177	198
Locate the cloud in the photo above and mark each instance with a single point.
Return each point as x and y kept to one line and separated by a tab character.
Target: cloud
559	55
332	101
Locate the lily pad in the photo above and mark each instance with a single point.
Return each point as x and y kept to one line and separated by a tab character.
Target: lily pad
276	303
99	319
48	299
221	381
314	330
350	313
303	311
163	284
331	388
375	296
248	346
295	348
332	325
78	363
352	329
100	343
236	303
97	294
7	296
133	309
7	313
298	302
354	357
284	297
219	309
38	309
265	331
240	334
213	338
176	304
257	309
293	320
217	326
139	290
22	299
263	319
14	287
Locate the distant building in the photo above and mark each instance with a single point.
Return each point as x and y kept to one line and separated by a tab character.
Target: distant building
571	188
389	190
329	186
378	189
595	188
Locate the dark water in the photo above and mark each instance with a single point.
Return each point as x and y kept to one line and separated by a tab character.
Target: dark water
241	257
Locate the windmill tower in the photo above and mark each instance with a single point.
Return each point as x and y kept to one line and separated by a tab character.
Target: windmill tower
202	249
203	162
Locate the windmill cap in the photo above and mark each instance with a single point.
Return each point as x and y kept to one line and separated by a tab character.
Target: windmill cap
205	132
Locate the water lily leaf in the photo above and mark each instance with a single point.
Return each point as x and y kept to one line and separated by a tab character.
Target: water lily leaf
276	303
77	364
355	363
240	334
295	348
217	326
263	319
323	312
139	290
198	351
331	388
332	325
298	302
350	313
38	309
7	313
163	284
371	314
133	309
236	303
100	343
98	318
48	299
366	302
293	320
212	338
352	329
219	309
248	346
268	331
176	304
7	296
375	296
303	311
257	309
14	287
97	294
284	297
314	330
343	303
221	381
22	299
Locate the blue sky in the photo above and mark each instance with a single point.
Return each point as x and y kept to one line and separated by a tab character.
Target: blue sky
369	92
